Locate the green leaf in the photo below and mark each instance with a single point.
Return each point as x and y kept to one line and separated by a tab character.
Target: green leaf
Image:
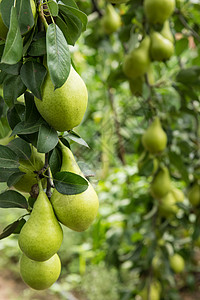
14	46
14	178
47	138
14	227
33	74
6	173
55	160
71	3
58	56
176	160
73	27
31	114
13	199
13	87
27	40
5	11
189	76
70	183
76	138
21	148
27	128
15	114
25	16
11	69
76	12
38	47
8	158
9	230
53	7
181	45
19	226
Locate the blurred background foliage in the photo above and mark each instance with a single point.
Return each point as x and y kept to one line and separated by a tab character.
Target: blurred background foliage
113	259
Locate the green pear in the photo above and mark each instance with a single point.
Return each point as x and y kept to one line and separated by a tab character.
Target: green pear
136	86
111	21
154	139
158	11
97	116
42	235
30	166
178	194
161	49
177	263
40	275
74	211
5	140
64	107
155	291
157	265
167	205
194	194
166	32
161	183
137	62
4	29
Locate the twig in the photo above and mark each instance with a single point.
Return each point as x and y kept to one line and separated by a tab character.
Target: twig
95	8
49	184
186	25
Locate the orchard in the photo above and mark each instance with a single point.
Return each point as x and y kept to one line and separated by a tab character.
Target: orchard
100	149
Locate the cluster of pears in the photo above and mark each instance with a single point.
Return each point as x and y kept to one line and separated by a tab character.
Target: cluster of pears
42	235
153	292
157	46
154	141
177	264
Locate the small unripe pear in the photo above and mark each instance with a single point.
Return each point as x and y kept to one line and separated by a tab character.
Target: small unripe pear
161	183
161	49
64	107
166	32
178	194
158	11
155	291
41	236
111	21
137	62
177	263
40	275
154	139
194	194
75	211
167	205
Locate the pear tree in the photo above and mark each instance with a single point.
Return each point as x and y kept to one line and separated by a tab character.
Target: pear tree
162	219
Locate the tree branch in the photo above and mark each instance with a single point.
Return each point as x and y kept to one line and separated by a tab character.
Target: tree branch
186	25
95	8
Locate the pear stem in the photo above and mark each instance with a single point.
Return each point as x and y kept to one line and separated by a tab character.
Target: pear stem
49	183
